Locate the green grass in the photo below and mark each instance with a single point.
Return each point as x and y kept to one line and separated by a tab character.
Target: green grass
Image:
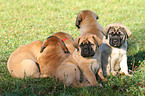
23	21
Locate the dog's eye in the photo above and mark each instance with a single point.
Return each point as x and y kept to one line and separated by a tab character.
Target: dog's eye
92	44
110	33
81	45
119	33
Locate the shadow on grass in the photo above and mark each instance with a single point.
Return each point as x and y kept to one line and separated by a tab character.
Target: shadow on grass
135	60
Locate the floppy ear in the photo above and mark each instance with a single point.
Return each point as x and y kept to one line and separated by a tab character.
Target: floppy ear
42	48
44	45
78	20
106	29
97	17
64	47
128	32
76	42
97	39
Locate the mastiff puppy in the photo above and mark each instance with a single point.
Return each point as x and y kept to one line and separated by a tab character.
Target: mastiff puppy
67	39
114	49
53	53
86	60
22	62
86	21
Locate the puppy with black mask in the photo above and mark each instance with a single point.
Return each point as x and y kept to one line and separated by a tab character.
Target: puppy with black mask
84	62
114	49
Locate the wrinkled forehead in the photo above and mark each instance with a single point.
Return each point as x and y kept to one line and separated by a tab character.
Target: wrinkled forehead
116	29
86	39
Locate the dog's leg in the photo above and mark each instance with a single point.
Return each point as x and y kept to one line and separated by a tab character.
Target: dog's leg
113	63
89	76
123	65
29	68
105	60
69	73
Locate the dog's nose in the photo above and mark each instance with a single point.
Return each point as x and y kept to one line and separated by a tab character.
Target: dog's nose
86	47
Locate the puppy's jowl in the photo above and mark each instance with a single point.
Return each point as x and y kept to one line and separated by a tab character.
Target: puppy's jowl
114	49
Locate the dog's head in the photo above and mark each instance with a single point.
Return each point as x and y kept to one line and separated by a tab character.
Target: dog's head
86	16
117	34
53	41
87	44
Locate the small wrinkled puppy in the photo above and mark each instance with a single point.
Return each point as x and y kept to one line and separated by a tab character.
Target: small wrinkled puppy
22	62
53	53
67	39
114	49
86	21
86	59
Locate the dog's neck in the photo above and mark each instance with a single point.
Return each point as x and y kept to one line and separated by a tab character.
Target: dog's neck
88	21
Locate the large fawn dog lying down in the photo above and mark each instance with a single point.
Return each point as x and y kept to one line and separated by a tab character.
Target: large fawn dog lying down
23	61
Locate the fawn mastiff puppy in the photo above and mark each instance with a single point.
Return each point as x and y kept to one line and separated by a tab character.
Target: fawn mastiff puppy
67	39
53	53
86	21
22	62
86	59
114	49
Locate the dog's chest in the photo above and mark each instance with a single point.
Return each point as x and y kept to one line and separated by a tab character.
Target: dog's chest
117	53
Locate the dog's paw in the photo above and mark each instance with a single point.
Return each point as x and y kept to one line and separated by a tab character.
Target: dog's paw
100	85
114	73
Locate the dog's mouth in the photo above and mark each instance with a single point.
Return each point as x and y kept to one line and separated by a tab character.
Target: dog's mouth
87	53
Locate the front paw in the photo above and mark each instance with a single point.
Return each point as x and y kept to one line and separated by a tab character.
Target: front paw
114	73
123	73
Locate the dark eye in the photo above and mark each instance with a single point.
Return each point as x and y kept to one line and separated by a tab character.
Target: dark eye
81	44
92	44
110	33
119	33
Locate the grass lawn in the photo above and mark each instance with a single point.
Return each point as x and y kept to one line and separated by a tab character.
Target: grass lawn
23	21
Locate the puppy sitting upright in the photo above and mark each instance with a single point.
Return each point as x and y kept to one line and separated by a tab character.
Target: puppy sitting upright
87	23
53	53
67	39
85	59
114	49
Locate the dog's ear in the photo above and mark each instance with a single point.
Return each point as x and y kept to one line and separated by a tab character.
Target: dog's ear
42	48
76	42
97	17
44	45
79	19
106	30
64	47
97	40
128	32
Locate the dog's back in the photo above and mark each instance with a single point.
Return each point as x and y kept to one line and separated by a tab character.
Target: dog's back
87	22
53	53
22	61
